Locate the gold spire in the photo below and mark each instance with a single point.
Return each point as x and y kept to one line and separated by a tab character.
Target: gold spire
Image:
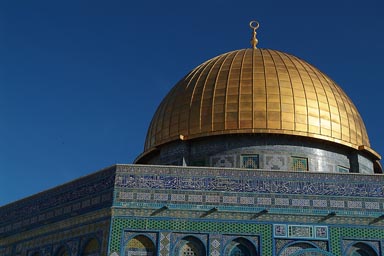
254	25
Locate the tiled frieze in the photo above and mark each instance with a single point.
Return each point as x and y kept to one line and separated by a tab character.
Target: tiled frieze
372	205
235	202
195	198
319	203
236	180
225	188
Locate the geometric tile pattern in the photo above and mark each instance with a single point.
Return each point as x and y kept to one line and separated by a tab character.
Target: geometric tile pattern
273	162
257	200
223	161
165	243
215	246
193	227
358	234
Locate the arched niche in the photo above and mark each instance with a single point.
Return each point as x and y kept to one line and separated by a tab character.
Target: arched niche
140	245
190	246
91	248
240	247
361	249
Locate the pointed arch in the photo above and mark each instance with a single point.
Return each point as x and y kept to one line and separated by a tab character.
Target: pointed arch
140	245
361	249
91	248
190	246
240	247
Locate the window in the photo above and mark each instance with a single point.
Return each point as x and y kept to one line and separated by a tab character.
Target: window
342	169
140	245
250	161
190	246
299	164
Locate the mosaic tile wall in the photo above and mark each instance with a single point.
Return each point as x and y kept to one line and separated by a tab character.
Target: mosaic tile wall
217	234
348	235
219	203
83	195
241	190
226	152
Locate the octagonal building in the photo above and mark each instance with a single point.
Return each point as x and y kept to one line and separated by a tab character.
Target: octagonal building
254	152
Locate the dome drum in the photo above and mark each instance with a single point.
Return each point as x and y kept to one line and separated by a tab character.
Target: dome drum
269	151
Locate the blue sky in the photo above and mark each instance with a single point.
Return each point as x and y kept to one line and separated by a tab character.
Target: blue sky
80	80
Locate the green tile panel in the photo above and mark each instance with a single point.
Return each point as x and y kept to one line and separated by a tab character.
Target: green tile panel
189	226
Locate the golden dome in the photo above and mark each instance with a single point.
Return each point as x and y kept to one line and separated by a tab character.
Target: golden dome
253	91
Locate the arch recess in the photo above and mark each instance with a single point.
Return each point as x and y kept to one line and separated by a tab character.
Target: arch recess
190	246
140	245
240	247
361	249
91	248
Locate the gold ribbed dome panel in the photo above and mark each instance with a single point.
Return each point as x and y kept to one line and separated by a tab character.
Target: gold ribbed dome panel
257	91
